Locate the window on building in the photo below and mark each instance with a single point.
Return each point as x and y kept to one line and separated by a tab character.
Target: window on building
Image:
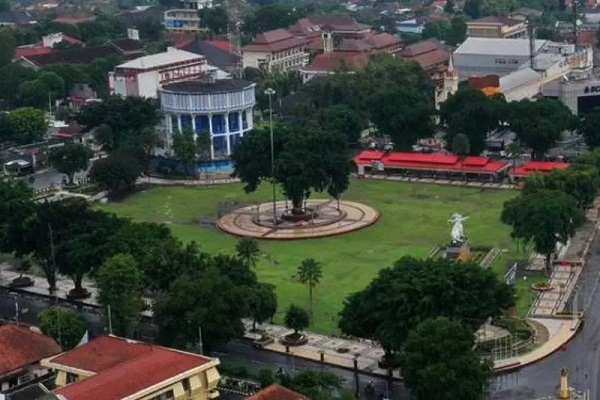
186	385
71	377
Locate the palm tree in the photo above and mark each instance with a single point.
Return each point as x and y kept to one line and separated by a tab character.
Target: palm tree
248	250
310	272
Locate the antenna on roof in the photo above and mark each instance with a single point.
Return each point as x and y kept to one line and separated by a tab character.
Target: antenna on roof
531	33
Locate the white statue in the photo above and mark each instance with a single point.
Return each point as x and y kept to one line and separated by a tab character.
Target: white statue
458	232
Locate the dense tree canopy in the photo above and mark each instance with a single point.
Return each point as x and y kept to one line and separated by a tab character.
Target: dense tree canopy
539	124
413	290
472	113
214	19
7	46
27	125
127	117
116	172
305	160
16	205
296	318
120	287
438	362
262	303
579	182
590	128
543	218
70	158
206	300
65	326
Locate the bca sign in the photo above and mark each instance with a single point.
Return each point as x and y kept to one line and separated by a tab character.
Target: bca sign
591	89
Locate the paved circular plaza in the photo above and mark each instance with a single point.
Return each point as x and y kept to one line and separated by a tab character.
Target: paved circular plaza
326	220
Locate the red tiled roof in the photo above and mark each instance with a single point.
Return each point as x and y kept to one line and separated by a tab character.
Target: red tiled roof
431	162
83	55
123	367
276	40
382	40
426	53
221	44
276	392
28	51
71	40
336	60
20	347
531	167
313	25
354	45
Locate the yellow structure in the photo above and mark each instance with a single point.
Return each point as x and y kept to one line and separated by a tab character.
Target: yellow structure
564	393
113	368
497	27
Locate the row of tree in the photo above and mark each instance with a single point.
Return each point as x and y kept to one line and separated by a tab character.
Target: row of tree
551	207
424	313
192	288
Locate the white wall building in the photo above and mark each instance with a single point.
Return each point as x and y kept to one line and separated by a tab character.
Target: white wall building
221	107
145	75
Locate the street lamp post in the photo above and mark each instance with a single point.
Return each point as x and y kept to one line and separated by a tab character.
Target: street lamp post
270	92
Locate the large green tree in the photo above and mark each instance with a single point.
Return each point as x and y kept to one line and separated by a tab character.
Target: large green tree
305	160
120	287
416	289
206	300
472	113
16	205
543	218
7	46
438	362
70	159
116	172
215	19
46	233
589	126
65	326
127	117
314	384
184	147
539	124
296	318
579	182
27	125
341	120
262	303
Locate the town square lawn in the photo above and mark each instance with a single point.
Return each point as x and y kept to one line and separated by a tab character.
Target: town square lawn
413	220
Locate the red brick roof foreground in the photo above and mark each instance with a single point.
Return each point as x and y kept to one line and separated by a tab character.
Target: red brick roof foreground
20	347
276	392
124	367
431	162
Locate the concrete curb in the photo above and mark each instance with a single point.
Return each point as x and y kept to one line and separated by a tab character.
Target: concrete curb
518	365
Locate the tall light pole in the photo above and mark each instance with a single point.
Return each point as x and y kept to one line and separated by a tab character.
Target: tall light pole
270	92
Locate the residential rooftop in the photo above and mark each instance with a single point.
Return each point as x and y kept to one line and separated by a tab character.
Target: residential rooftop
20	347
172	56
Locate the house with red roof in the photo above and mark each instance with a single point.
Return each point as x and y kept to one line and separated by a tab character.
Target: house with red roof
21	351
524	170
114	368
436	60
351	54
436	165
275	50
277	392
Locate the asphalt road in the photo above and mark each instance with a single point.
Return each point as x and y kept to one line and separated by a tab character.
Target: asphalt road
581	356
238	352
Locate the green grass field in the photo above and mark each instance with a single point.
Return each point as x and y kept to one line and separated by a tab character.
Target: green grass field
413	220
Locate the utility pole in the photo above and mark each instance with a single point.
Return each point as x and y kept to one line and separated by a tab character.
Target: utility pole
200	343
55	289
109	321
16	310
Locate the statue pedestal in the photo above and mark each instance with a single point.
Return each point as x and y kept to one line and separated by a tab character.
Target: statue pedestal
458	251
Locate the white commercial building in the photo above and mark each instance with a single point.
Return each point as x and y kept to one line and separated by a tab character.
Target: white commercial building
145	75
223	108
491	56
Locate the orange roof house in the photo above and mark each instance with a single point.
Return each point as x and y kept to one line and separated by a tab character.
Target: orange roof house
112	368
21	351
277	392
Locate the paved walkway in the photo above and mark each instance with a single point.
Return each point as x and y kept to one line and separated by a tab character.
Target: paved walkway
487	185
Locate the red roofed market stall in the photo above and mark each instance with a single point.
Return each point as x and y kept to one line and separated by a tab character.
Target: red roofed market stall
435	165
531	167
